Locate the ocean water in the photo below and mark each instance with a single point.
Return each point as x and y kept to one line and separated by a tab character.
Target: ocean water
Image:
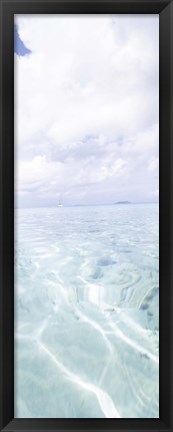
87	312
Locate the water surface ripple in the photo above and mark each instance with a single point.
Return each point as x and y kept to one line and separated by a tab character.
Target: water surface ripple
86	312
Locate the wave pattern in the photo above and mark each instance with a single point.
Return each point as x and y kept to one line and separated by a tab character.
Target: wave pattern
86	312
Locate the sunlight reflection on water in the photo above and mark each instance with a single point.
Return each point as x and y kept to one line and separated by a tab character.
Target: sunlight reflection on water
86	312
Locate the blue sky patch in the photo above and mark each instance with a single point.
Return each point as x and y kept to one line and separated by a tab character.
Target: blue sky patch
19	47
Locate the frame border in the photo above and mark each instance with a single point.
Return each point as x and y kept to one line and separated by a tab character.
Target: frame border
7	10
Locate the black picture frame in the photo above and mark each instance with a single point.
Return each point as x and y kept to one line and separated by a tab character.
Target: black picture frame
7	10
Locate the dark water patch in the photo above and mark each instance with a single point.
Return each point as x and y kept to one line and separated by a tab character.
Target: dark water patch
144	355
149	298
97	274
150	315
144	306
106	261
155	290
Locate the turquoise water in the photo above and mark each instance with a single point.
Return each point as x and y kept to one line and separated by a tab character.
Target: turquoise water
86	312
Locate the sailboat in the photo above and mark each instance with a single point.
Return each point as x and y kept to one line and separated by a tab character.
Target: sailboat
60	204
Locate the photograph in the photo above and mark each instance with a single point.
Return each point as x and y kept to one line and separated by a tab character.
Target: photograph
86	216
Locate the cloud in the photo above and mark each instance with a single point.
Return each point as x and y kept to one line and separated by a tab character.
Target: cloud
86	106
153	164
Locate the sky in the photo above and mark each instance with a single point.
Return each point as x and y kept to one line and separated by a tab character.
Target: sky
86	109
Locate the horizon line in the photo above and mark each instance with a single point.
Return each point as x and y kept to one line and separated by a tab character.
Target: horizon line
91	205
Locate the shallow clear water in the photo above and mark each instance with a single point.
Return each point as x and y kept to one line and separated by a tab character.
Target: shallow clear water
86	312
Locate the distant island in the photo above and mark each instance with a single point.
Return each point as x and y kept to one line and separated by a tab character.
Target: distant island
123	202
